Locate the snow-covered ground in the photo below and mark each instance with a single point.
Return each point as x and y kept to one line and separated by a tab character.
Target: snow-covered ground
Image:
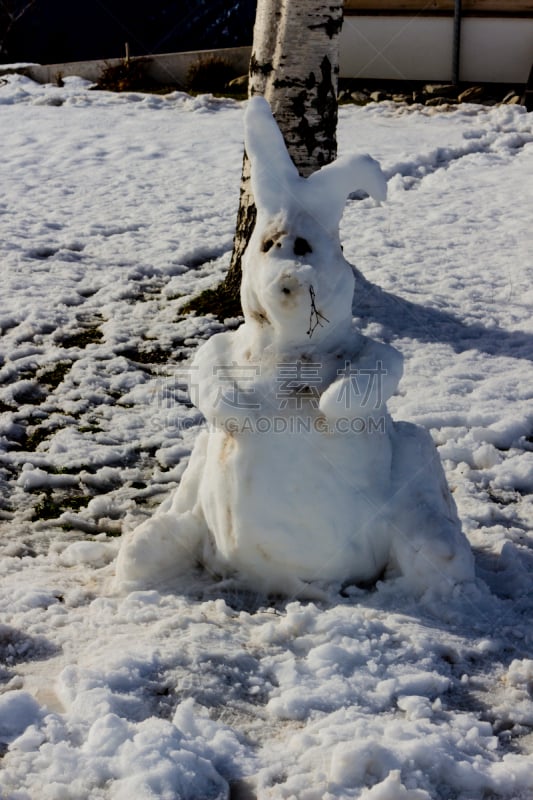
113	210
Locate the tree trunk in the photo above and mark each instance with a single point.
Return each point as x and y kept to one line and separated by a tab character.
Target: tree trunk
295	66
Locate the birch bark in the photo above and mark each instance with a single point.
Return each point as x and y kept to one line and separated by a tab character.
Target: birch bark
295	65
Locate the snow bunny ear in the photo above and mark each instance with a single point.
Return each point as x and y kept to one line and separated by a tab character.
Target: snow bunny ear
275	179
271	166
327	190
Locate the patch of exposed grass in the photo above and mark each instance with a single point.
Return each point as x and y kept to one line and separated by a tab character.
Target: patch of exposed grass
210	74
129	75
51	505
153	354
27	374
29	395
55	375
82	338
34	437
90	428
217	301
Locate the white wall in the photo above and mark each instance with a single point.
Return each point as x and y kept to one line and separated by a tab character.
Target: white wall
166	68
421	48
498	50
397	48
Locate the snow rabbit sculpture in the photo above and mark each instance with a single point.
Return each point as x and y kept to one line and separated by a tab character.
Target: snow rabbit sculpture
301	477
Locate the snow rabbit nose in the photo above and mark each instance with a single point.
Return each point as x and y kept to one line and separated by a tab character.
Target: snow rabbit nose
289	285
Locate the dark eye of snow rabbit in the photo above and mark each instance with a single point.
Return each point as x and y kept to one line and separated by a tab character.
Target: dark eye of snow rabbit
302	247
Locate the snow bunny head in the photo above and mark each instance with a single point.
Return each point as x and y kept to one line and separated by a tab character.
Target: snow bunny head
296	285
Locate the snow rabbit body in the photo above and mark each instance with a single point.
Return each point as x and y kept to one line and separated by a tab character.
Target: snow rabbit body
301	477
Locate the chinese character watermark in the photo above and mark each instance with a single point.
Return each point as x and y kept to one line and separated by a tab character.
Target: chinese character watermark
231	378
298	381
364	384
296	390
